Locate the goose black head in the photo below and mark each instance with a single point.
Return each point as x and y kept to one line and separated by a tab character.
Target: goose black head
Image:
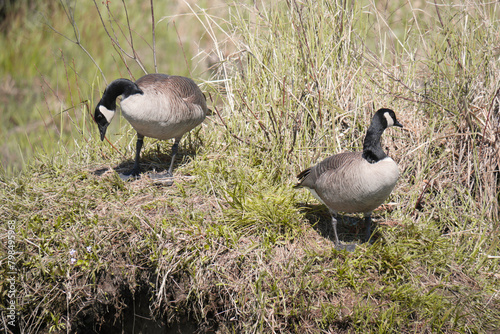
383	119
105	109
103	117
387	118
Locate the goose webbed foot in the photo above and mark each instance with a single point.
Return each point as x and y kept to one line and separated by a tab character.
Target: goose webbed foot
134	172
131	174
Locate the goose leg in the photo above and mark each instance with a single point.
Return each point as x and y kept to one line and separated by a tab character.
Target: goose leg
136	170
334	225
174	153
368	223
338	245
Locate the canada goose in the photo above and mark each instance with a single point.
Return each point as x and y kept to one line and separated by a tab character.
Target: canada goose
355	181
157	106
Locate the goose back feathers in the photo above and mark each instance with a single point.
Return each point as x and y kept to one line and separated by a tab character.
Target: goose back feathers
347	182
168	107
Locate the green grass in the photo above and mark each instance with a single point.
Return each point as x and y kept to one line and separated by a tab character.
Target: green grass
231	246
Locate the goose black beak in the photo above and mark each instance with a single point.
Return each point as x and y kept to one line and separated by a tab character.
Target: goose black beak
102	130
396	123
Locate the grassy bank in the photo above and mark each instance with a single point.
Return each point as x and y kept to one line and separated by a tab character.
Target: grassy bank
230	246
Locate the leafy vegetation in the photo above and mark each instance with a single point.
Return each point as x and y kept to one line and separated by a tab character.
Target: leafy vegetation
230	246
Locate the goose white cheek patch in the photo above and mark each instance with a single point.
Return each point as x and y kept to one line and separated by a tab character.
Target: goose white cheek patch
109	114
390	121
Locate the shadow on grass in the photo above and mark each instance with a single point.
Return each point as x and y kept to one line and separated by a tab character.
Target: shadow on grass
100	171
156	159
153	160
350	228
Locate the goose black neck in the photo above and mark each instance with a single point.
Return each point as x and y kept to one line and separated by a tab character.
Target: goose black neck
119	87
372	149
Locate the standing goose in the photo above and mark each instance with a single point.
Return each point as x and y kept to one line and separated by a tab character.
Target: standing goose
355	181
157	106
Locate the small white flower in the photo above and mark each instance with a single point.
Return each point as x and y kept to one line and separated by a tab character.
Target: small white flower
89	249
72	260
72	252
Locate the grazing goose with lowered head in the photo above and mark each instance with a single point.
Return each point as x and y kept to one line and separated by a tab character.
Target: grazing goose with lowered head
157	105
355	181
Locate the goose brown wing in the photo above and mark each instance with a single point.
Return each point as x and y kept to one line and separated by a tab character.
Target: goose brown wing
171	85
308	177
